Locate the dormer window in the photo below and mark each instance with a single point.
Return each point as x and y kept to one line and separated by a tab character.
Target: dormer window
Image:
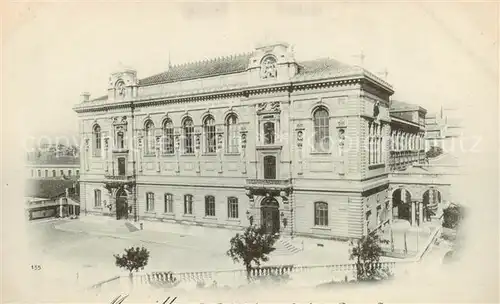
268	68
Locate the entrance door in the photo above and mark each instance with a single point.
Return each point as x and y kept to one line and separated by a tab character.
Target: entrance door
121	205
269	167
121	166
270	217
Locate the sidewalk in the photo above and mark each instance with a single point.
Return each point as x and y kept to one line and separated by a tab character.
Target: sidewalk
208	240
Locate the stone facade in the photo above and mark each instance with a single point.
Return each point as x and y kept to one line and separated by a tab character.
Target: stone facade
298	147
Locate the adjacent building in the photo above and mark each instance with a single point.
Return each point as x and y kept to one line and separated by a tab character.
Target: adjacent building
51	198
52	166
299	147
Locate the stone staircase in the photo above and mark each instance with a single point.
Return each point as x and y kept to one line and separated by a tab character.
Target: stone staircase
285	247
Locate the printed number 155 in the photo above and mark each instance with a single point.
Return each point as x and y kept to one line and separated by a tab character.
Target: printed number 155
36	267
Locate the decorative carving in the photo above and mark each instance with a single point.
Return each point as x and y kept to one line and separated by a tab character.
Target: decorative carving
342	123
120	88
341	140
86	144
268	107
268	68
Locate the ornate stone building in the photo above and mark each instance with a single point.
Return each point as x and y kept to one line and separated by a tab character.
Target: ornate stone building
301	148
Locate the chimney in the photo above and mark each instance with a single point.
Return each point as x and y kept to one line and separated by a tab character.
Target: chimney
85	96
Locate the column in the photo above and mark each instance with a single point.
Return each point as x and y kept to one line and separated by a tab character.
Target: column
106	144
86	154
420	213
157	149
243	143
197	149
413	222
177	151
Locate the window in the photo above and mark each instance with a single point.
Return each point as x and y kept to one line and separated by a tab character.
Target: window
69	172
188	129
96	134
232	207
77	172
209	205
120	142
269	167
232	141
169	203
209	134
320	214
168	137
374	144
149	140
97	198
150	201
53	173
321	130
269	133
39	173
188	204
46	173
62	172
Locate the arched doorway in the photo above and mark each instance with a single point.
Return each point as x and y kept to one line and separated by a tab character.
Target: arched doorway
121	204
431	200
270	215
401	204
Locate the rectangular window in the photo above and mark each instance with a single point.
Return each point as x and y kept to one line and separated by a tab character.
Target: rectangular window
46	173
188	204
169	203
321	214
209	206
77	172
62	172
53	173
69	172
150	201
232	207
97	198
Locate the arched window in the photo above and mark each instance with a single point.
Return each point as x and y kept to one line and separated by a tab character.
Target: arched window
39	173
320	214
188	129
169	203
77	172
97	198
46	173
209	134
188	204
69	172
96	139
232	141
62	172
168	137
321	130
209	205
150	201
232	207
269	133
149	140
53	173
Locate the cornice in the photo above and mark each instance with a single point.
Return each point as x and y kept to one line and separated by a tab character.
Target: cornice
241	91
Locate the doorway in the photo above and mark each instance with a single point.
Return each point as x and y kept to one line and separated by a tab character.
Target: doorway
270	216
121	205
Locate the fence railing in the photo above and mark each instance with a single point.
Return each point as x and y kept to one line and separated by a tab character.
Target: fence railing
302	274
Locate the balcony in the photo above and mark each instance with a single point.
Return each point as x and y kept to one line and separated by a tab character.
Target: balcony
118	181
269	184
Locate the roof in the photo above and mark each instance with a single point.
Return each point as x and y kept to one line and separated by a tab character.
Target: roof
193	70
401	105
53	160
48	189
321	65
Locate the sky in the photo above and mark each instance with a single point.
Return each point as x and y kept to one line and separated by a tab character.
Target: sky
435	54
